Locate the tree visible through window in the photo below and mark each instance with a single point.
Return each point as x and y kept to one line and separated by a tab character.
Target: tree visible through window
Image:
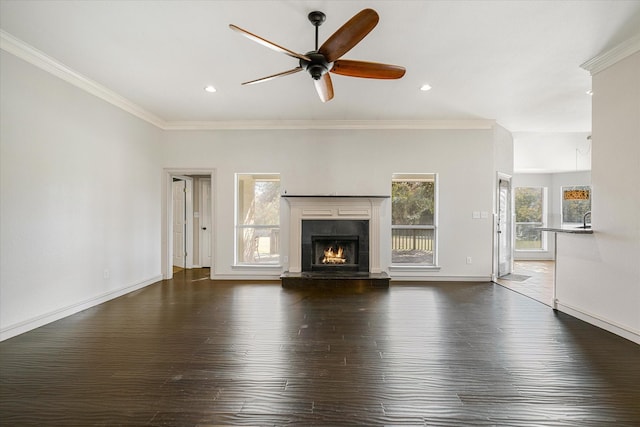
529	207
258	219
413	219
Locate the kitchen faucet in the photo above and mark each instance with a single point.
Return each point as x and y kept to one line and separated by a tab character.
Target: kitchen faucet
584	219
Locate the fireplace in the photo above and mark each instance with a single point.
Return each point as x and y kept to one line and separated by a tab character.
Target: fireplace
365	211
334	241
335	245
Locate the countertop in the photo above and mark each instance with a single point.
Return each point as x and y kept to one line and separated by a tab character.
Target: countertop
571	230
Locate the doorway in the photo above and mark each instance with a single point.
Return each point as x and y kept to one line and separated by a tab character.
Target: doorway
187	220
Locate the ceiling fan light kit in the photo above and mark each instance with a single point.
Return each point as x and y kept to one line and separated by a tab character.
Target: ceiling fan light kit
320	61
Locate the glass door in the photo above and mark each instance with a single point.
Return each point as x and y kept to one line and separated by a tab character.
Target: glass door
503	229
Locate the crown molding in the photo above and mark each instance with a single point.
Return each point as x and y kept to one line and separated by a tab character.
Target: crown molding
35	57
612	56
330	124
28	53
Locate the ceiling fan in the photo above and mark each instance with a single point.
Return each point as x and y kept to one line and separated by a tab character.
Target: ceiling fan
319	62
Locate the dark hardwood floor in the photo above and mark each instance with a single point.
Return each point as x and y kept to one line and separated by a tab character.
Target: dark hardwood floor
192	352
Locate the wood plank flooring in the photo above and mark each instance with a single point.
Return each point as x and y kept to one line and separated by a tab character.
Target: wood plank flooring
191	352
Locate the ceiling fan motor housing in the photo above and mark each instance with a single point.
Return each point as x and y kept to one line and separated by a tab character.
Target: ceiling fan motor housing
318	66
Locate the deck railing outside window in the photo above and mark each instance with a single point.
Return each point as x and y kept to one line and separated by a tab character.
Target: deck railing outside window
412	244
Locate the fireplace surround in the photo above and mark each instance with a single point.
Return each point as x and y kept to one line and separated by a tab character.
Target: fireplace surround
328	223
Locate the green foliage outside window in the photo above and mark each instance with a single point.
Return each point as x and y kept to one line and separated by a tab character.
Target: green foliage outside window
528	203
413	202
529	209
267	202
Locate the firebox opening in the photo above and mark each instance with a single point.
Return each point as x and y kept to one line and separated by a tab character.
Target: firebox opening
335	253
331	236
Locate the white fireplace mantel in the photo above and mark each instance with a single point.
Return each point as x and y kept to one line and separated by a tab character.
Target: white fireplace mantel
336	208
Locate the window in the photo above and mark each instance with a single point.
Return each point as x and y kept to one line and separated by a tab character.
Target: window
576	202
413	219
257	219
530	206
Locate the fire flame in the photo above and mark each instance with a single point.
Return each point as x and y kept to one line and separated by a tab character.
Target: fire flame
331	257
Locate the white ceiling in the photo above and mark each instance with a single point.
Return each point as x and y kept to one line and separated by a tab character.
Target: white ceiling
517	62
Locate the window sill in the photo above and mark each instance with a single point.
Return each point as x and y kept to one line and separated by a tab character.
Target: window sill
256	267
400	268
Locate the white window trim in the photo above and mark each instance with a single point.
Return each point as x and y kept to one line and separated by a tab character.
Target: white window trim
436	196
236	226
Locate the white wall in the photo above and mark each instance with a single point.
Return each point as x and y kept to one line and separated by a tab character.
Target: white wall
598	276
503	152
547	152
80	196
353	162
553	182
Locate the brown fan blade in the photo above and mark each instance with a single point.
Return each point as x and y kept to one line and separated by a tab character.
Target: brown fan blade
267	43
347	36
369	70
324	87
273	76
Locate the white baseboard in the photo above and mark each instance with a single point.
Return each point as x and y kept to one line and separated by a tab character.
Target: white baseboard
394	278
600	322
36	322
407	278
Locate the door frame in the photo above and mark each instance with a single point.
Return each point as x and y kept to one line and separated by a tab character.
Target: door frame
166	249
496	240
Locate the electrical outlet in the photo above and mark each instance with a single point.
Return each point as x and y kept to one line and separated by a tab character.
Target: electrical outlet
105	274
469	260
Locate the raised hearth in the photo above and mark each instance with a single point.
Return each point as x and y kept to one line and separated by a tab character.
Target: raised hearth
335	280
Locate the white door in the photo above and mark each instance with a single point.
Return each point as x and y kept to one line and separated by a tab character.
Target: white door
505	252
205	223
179	222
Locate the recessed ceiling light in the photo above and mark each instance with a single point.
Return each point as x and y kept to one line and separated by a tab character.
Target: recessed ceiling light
425	87
210	89
589	92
